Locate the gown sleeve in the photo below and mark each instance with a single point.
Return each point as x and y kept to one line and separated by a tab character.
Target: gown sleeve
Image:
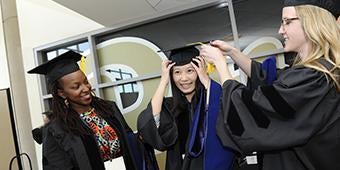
165	135
259	75
37	134
271	117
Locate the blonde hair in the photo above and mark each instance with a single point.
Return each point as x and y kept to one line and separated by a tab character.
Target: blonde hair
322	29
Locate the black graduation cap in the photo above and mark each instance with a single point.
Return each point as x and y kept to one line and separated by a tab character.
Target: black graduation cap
59	66
333	6
183	55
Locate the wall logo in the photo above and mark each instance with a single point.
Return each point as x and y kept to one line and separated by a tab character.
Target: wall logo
128	96
125	58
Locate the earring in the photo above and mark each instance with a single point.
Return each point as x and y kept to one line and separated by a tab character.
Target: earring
66	103
93	93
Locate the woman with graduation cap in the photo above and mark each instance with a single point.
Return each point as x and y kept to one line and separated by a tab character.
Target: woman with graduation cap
86	130
184	124
294	122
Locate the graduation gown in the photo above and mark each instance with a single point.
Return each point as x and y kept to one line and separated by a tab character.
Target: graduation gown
294	122
173	135
37	134
66	151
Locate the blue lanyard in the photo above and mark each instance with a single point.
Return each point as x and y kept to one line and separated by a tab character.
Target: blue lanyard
195	129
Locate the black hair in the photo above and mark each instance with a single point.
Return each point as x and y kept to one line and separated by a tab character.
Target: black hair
182	111
49	114
180	107
69	119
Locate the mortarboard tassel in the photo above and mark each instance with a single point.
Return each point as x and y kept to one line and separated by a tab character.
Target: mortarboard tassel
210	68
82	64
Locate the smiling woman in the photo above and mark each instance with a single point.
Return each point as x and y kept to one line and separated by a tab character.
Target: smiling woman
185	79
76	90
183	124
86	130
294	120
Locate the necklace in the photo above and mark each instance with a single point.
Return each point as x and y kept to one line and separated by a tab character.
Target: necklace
88	112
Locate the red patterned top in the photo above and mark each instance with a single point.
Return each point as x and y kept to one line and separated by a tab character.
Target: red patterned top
106	137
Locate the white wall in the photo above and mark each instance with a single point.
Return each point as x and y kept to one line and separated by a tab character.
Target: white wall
4	79
42	22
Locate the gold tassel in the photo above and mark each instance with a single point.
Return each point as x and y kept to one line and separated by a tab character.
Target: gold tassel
210	68
82	64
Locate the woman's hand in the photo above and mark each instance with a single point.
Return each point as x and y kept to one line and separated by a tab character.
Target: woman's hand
212	54
236	55
165	75
201	70
223	46
215	55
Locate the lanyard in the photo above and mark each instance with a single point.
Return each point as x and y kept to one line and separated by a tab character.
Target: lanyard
195	128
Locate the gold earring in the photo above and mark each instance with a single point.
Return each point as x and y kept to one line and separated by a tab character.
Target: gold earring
66	103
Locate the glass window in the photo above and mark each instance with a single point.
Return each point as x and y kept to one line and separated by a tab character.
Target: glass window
83	46
51	55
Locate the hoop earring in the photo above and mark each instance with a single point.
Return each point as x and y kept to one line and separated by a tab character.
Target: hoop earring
67	104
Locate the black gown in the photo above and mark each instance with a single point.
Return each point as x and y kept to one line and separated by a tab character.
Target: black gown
37	134
174	136
66	151
171	134
294	122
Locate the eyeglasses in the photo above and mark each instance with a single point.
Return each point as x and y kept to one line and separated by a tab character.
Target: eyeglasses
287	21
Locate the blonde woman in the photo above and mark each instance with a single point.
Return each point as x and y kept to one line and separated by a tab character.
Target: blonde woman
294	123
